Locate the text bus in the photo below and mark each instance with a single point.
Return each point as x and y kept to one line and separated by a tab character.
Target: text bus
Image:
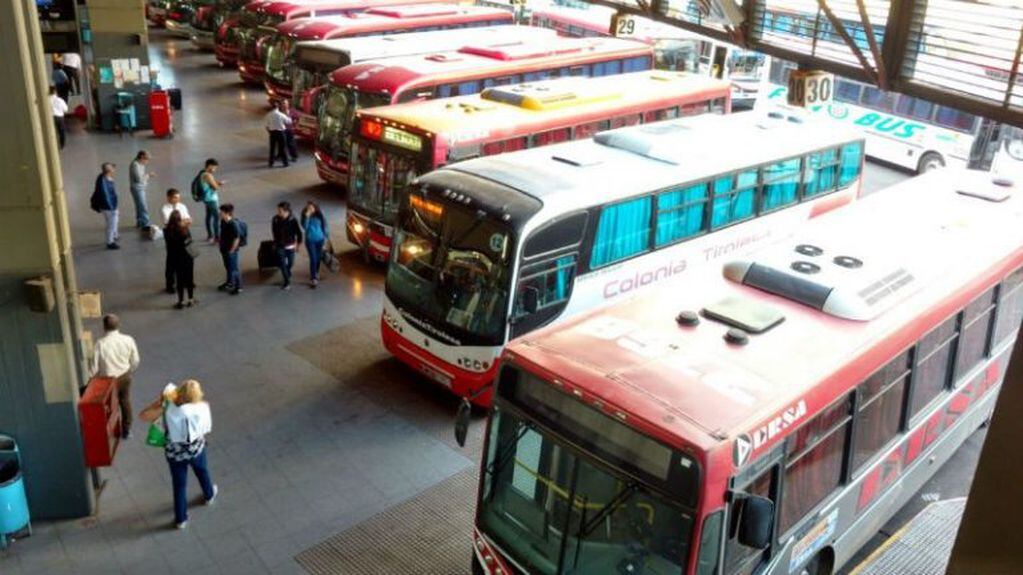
468	70
629	441
393	145
490	249
279	48
314	61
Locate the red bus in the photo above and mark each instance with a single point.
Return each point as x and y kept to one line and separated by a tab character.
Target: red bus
227	40
795	403
465	71
279	49
394	144
315	60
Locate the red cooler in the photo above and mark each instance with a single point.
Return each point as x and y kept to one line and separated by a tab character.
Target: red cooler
160	113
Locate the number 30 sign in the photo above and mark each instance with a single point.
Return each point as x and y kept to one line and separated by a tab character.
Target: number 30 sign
810	88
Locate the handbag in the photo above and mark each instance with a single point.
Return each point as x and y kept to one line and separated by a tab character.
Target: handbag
330	259
157	435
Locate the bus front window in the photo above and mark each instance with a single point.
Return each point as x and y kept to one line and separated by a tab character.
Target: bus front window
338	114
278	50
304	79
555	512
377	180
450	267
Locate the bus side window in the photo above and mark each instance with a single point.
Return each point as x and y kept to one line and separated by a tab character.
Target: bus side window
492	148
467	88
515	144
579	71
781	184
623	231
734	198
739	559
681	213
821	175
1010	307
879	409
423	93
446	91
710	544
976	325
847	92
589	129
851	162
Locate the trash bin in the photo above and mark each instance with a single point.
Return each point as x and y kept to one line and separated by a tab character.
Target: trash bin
125	111
160	113
13	504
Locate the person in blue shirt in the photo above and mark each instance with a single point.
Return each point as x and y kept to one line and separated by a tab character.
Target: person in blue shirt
317	233
104	201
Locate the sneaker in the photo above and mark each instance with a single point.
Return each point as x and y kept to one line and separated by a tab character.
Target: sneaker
314	283
225	287
179	305
113	246
236	291
192	302
216	491
286	286
181	526
126	434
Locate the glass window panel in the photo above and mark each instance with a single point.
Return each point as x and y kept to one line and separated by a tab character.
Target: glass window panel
852	161
623	231
954	119
812	477
680	214
781	184
878	420
973	344
848	92
1010	307
817	427
553	283
931	378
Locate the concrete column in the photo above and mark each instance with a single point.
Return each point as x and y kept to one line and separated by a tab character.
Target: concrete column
41	366
990	537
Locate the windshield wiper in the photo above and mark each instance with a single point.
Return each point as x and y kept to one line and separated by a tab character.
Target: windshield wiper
587	527
504	451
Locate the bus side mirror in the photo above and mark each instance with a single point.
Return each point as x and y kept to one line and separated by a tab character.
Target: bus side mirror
462	421
530	299
755	521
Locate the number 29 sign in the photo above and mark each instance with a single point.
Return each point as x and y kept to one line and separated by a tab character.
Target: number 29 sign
810	88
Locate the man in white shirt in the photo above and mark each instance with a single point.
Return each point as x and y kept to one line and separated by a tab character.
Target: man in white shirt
59	108
138	181
276	122
72	64
173	205
116	355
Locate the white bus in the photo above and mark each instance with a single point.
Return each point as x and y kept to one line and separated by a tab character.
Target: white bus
909	132
491	248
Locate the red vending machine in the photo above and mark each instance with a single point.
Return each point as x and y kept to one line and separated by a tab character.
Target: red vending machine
160	113
99	415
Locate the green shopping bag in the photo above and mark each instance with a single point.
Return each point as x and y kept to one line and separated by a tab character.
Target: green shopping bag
157	435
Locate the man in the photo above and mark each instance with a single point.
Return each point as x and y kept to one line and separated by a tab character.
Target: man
116	355
59	109
104	201
230	243
287	236
289	131
61	82
276	123
173	205
72	64
138	181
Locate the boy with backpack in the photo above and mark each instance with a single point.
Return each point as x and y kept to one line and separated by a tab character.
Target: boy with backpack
234	235
206	189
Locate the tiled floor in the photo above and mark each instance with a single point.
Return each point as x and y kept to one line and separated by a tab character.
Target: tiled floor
315	428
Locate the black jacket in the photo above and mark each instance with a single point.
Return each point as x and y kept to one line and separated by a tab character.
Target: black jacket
286	231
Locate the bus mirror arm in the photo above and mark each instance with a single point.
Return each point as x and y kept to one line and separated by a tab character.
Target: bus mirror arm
756	517
464	414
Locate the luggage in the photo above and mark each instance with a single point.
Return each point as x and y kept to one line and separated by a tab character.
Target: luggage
175	98
267	256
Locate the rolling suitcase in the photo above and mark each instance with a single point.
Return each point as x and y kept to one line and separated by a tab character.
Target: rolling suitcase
267	255
175	98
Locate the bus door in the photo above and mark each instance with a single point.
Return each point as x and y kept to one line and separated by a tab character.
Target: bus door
999	149
752	513
985	145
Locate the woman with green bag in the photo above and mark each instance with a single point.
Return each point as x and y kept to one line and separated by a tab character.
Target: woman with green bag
186	421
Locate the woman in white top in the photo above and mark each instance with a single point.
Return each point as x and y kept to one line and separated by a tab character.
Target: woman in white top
188	421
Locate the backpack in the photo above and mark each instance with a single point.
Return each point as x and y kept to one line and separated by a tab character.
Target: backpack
197	191
243	233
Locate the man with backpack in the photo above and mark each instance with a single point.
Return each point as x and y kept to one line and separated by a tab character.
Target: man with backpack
206	189
104	201
234	235
287	236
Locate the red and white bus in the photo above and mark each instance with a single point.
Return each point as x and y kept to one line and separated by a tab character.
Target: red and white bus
468	70
227	40
490	249
786	413
279	49
261	21
394	144
314	61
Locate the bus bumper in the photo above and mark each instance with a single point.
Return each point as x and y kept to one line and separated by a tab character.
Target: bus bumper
250	72
182	29
461	382
202	39
226	56
486	555
374	239
305	125
330	173
275	91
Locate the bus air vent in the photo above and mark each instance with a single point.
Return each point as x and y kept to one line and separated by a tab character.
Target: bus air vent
662	141
414	10
744	314
517	52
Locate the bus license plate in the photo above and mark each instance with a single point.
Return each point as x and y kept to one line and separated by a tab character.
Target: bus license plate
435	375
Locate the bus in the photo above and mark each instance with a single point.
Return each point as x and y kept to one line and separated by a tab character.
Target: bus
490	249
394	144
260	22
908	132
227	41
674	49
279	48
180	14
209	17
781	419
468	70
314	61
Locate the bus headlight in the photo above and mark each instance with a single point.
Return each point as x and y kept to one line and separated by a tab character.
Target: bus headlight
358	228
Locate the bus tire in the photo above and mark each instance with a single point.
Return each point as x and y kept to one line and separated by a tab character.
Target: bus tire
930	161
822	564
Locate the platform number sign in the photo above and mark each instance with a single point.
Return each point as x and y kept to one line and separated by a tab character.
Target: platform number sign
810	88
623	25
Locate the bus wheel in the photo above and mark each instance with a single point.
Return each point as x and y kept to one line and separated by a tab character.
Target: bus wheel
930	161
820	565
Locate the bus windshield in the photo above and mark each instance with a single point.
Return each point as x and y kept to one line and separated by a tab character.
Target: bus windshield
377	177
302	79
451	267
278	50
554	511
338	113
745	65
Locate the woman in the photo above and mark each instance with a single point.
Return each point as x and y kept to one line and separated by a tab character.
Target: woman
314	224
188	421
179	256
211	199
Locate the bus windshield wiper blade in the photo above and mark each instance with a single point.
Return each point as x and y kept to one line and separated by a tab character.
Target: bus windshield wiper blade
504	451
621	497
